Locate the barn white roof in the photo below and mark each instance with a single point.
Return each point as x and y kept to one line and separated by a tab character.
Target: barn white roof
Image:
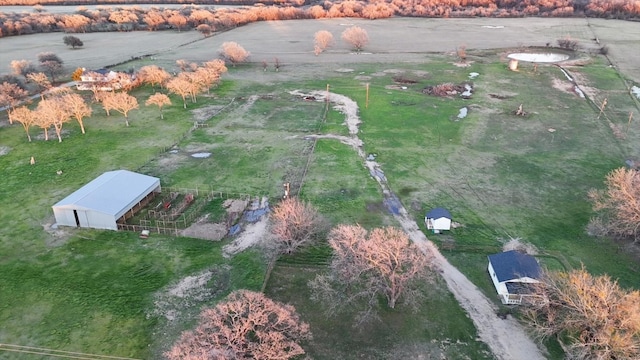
111	193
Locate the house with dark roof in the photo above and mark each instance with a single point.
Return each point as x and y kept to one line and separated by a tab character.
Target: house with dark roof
438	219
514	275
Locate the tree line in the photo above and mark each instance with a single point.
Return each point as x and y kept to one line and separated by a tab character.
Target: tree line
59	105
131	18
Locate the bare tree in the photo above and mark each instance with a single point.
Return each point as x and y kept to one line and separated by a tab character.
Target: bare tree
104	97
72	41
77	107
43	123
210	72
11	95
204	29
356	36
74	22
50	64
180	86
154	75
618	204
377	10
322	40
206	77
201	17
598	318
246	325
41	80
159	100
216	65
154	19
124	18
367	264
461	51
182	64
233	52
55	112
177	20
122	103
295	224
22	67
25	117
198	82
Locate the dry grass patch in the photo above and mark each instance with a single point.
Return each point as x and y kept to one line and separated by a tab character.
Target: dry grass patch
563	85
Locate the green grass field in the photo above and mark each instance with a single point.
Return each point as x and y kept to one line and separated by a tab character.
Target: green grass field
500	175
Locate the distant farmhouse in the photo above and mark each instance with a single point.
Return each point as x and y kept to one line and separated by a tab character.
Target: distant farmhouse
103	80
514	275
107	200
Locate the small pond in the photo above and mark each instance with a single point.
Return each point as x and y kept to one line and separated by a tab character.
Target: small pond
539	57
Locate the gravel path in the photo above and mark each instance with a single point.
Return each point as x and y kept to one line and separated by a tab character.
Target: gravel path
506	338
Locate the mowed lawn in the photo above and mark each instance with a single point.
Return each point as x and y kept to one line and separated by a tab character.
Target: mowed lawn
500	175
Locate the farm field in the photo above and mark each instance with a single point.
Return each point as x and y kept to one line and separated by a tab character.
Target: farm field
292	41
502	176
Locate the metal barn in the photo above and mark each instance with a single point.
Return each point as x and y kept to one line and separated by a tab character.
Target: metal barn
107	200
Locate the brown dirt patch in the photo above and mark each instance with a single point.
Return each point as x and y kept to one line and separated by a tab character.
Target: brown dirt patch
235	205
393	71
463	63
205	230
583	84
57	236
205	113
421	73
563	85
170	161
520	245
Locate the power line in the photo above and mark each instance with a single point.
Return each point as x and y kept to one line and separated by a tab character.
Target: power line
58	353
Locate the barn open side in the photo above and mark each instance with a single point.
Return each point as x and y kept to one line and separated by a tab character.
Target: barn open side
107	200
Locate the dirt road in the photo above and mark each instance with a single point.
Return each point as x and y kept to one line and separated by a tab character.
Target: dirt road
506	338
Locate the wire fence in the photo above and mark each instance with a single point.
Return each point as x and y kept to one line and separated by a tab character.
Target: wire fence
323	120
172	223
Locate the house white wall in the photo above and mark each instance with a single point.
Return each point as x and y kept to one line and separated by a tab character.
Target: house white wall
501	287
441	224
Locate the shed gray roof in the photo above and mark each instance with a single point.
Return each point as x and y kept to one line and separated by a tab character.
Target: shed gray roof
510	265
438	213
110	193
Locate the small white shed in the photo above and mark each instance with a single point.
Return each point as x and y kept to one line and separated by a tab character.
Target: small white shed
513	273
111	197
438	219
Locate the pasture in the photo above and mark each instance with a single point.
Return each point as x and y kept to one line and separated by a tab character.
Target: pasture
502	176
